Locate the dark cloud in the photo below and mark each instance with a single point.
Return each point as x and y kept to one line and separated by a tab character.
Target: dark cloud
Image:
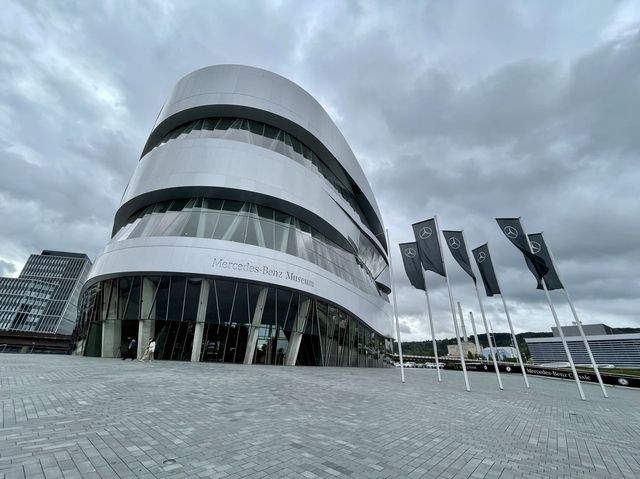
463	109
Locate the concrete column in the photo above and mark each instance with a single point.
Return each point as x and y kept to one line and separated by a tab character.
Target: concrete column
111	337
147	323
146	330
203	301
296	335
255	326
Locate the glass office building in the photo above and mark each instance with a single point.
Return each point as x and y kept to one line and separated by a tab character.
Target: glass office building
44	297
248	233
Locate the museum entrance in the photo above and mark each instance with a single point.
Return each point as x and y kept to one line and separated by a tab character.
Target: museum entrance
128	332
174	340
224	342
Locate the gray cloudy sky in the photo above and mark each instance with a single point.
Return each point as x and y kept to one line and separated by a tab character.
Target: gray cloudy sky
464	109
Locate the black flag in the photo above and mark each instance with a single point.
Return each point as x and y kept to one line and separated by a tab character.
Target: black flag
487	273
409	252
455	242
540	249
512	229
429	246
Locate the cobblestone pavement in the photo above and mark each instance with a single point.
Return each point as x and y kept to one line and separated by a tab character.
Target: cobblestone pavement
70	417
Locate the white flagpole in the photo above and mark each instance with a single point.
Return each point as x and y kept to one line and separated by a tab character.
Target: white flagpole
433	334
513	333
578	323
395	309
555	318
475	334
484	320
464	329
453	310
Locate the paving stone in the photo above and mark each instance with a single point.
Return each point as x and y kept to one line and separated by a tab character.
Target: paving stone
71	417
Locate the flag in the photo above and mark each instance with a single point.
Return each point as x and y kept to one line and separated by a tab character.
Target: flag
539	248
455	242
429	246
411	260
512	229
485	266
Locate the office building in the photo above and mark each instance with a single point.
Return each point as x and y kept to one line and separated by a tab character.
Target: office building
42	301
607	347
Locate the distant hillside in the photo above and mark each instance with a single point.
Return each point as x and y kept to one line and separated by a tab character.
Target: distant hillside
626	330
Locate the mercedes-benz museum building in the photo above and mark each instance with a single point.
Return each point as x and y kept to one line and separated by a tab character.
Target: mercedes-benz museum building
248	233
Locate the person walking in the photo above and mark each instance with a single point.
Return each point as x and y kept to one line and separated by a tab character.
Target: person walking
131	351
150	351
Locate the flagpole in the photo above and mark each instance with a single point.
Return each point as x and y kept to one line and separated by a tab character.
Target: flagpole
433	334
555	318
578	323
464	329
513	334
395	309
484	320
475	334
453	310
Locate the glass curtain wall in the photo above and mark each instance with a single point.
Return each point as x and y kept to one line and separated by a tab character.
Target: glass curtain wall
329	335
260	226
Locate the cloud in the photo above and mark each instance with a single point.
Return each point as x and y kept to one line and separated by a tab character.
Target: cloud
460	109
6	268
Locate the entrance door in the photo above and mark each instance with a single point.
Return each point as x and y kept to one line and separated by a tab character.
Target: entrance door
175	340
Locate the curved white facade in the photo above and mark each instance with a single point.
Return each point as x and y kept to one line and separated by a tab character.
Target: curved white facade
245	178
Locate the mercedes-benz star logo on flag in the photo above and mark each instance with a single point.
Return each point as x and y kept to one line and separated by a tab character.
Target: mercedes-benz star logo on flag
454	243
410	253
425	232
535	247
481	256
511	232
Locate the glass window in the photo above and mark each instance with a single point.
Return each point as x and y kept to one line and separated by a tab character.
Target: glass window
149	290
196	130
177	226
224	123
161	207
223	224
208	126
133	305
176	133
283	302
192	299
232	206
269	312
124	288
255	235
140	227
240	313
176	298
237	231
225	293
191	224
212	304
178	205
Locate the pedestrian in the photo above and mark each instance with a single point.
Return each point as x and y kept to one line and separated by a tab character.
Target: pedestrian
151	349
131	351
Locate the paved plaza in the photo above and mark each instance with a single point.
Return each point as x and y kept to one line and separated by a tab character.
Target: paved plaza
70	417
